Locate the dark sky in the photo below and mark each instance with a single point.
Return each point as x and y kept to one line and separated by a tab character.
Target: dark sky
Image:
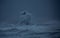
40	9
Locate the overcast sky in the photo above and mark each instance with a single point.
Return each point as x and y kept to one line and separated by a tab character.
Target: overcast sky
40	9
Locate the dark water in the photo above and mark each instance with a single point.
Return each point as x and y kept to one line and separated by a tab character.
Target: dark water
30	31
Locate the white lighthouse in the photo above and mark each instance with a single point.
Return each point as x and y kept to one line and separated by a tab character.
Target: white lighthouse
25	18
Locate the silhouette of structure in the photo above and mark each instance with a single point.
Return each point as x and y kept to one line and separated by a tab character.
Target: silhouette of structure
25	18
